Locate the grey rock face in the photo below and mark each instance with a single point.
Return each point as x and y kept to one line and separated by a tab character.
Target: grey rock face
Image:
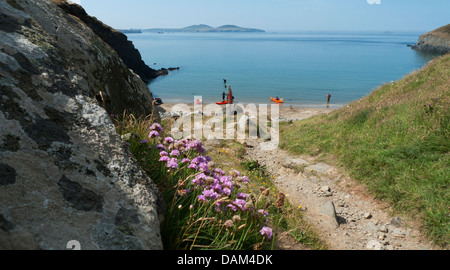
436	41
64	173
432	44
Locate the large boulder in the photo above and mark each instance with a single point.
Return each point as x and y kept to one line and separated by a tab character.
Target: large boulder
64	172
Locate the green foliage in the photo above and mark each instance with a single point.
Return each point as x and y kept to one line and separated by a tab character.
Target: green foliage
396	141
254	166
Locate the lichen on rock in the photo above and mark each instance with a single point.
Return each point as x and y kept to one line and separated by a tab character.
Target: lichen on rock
64	173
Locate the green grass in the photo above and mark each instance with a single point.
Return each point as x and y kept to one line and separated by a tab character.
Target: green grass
396	141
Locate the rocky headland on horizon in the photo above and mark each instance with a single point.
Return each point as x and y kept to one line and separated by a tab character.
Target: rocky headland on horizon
203	28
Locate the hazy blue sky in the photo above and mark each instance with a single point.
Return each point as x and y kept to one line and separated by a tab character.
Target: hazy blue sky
275	15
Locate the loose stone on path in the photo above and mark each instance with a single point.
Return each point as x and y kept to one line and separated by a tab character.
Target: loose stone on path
319	168
329	210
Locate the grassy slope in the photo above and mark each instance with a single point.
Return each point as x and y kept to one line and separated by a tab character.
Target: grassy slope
396	140
442	32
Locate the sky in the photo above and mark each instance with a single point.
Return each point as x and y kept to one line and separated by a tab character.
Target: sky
274	15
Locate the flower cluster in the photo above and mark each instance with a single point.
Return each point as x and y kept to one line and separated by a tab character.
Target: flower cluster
209	184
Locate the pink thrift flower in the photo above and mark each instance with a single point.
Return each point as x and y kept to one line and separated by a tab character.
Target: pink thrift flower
243	196
267	232
232	206
156	127
161	147
226	191
153	134
173	163
245	179
263	212
169	140
175	153
164	159
193	166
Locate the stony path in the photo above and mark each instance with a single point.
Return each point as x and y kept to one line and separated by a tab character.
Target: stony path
342	212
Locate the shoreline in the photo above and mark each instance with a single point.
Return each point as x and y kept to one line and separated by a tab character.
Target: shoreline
287	112
268	102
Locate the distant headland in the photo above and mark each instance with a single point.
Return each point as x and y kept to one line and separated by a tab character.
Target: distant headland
198	28
436	41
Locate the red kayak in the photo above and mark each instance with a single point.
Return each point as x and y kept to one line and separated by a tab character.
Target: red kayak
222	103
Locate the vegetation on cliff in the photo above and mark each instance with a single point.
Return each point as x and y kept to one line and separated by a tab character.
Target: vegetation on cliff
396	140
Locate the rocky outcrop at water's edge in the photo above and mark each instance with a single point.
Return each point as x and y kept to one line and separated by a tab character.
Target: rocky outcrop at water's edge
436	41
117	40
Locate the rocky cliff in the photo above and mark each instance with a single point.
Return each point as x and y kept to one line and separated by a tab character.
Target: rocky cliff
437	41
116	39
64	172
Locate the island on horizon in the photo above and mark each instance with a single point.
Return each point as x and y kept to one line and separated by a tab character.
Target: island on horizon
201	28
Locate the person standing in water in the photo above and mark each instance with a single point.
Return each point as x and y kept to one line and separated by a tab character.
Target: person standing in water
223	96
328	100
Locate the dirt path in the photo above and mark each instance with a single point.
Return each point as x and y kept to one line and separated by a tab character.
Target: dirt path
339	209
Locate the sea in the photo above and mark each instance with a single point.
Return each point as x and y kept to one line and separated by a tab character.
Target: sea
302	68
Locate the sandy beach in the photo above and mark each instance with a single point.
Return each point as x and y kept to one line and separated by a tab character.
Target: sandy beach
287	112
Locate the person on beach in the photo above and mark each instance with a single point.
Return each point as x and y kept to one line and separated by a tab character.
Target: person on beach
328	100
223	96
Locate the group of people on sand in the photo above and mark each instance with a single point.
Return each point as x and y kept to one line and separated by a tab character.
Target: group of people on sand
225	94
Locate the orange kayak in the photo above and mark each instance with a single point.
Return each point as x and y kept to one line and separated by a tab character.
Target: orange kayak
275	100
222	103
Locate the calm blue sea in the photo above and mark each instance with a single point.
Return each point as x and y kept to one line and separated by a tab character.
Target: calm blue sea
301	68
